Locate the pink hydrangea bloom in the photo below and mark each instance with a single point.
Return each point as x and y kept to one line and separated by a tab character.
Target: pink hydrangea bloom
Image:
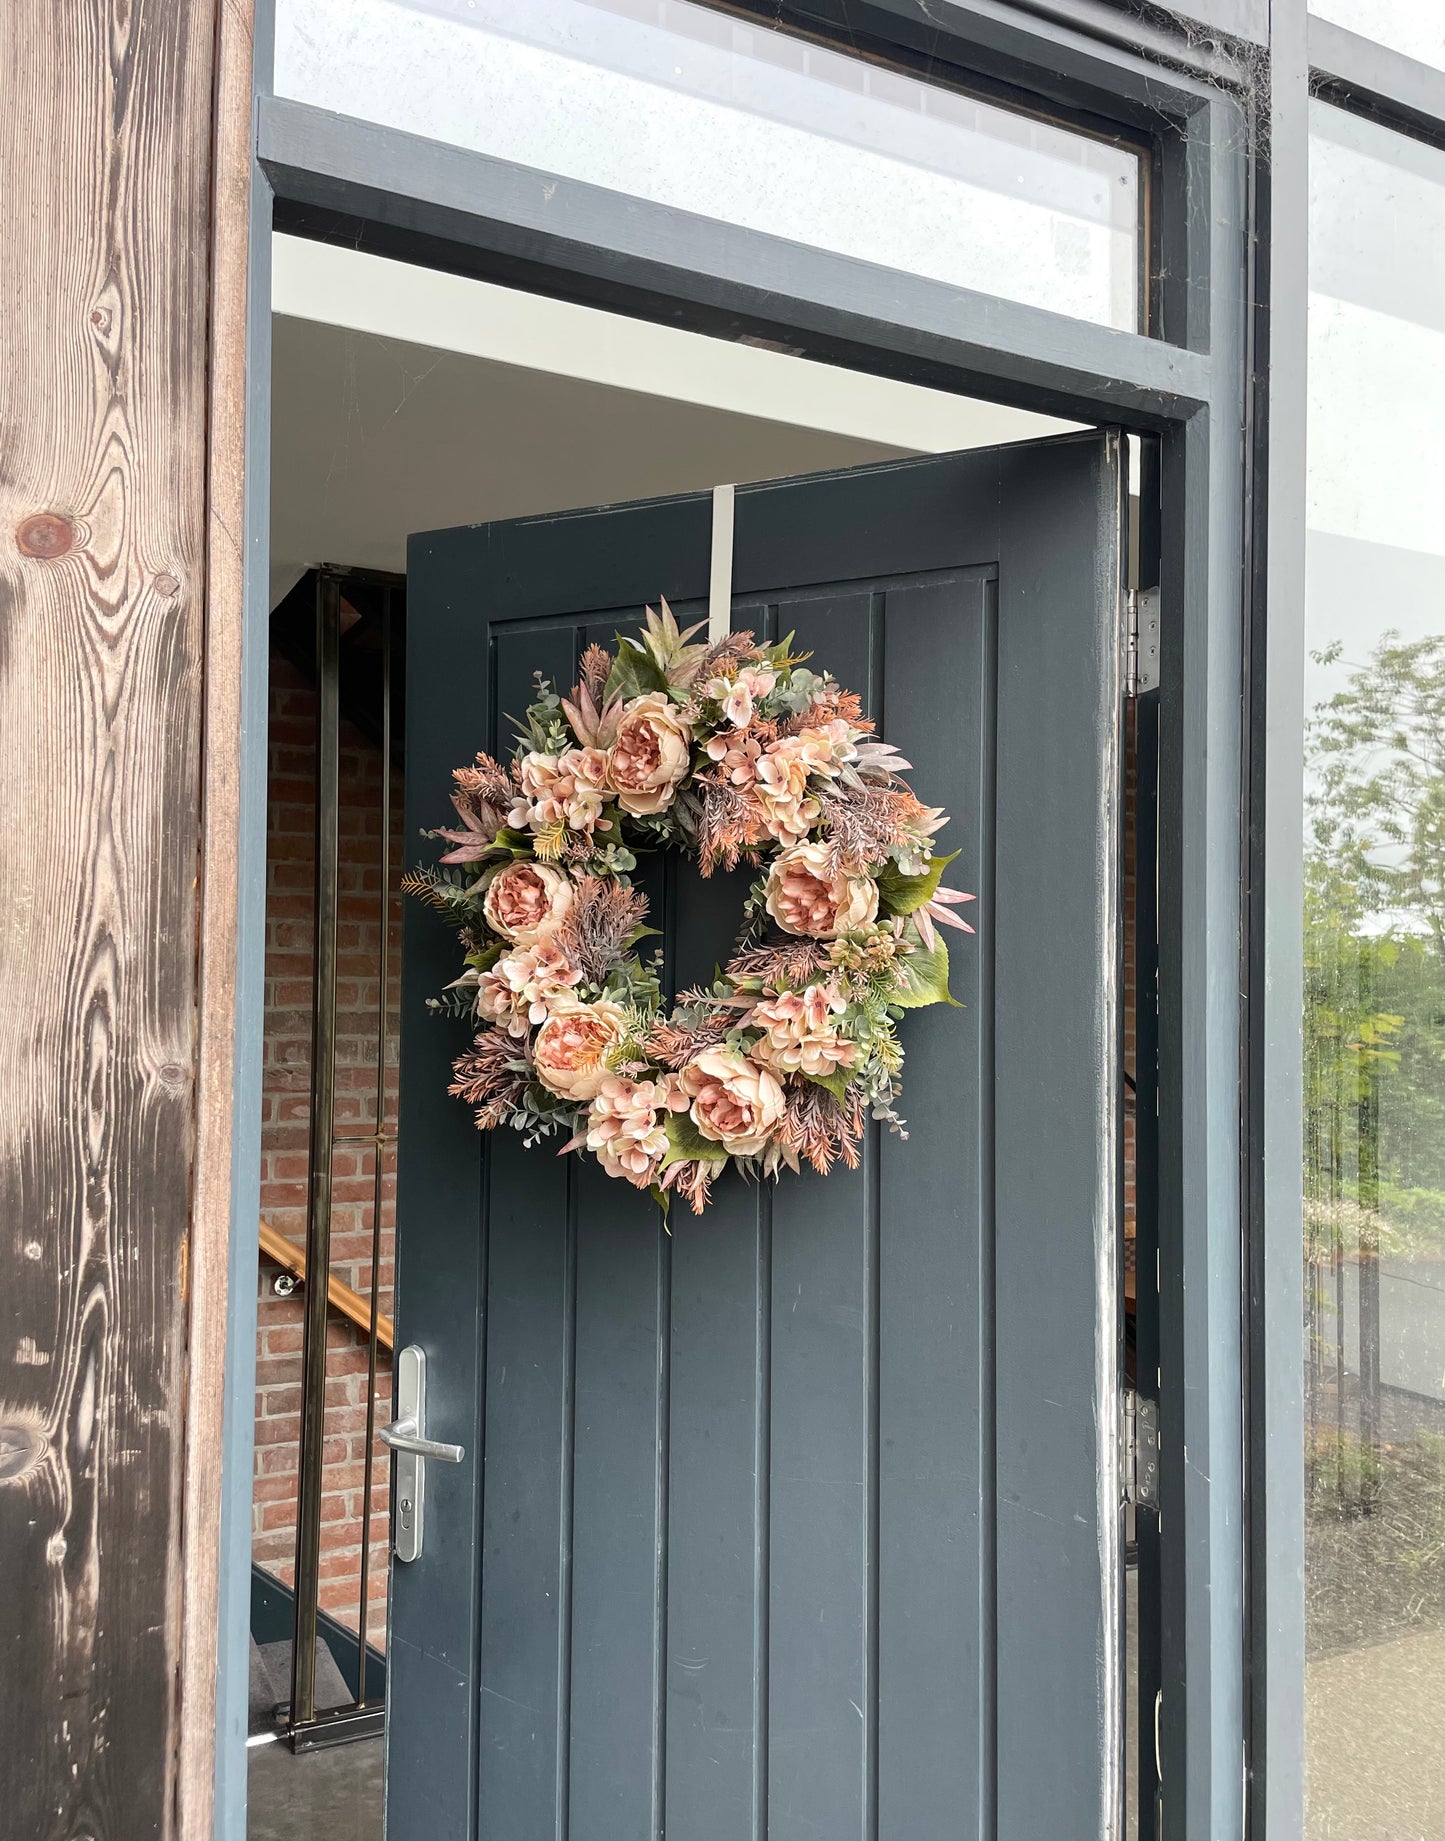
800	1032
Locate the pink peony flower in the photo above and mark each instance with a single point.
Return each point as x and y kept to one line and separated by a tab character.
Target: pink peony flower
800	1035
572	1046
562	789
735	1102
624	1128
519	990
525	901
651	755
806	896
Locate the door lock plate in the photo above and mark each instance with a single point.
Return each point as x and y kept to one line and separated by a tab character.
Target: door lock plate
1141	1450
406	1437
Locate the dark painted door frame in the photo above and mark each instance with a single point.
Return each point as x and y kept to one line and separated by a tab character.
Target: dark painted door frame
330	177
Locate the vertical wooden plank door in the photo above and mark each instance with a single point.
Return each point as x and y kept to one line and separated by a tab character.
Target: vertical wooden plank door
796	1521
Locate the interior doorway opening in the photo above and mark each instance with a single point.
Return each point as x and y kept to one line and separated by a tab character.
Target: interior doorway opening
406	400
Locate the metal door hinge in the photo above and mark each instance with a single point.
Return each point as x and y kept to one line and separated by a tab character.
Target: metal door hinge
1141	1450
1141	652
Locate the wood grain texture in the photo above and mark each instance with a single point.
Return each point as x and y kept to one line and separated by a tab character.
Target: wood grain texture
211	1208
105	207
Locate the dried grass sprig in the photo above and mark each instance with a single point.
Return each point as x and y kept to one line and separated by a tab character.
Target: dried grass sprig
692	1180
730	826
604	916
830	703
781	963
820	1127
731	649
863	823
595	669
490	1076
675	1040
423	884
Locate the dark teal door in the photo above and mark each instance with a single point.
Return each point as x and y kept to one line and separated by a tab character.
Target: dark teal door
801	1520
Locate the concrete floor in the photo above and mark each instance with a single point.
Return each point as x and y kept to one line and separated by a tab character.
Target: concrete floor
332	1795
336	1795
1375	1741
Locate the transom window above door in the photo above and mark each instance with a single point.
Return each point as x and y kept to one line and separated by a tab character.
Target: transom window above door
739	122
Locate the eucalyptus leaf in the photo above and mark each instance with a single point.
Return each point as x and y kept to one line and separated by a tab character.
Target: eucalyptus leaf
900	894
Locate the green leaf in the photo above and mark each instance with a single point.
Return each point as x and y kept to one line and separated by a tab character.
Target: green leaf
923	979
634	672
487	957
900	894
686	1144
504	850
837	1082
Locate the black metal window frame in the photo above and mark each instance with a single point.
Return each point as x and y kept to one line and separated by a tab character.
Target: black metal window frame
374	599
1193	384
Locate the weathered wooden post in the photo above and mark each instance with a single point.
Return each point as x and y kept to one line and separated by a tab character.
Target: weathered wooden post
124	130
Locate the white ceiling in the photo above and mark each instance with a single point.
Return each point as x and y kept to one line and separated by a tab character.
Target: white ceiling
407	400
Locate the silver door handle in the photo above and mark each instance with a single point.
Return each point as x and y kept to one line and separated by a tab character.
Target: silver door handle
402	1435
406	1436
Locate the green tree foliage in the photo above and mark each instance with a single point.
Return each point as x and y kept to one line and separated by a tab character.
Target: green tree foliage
1375	955
1377	803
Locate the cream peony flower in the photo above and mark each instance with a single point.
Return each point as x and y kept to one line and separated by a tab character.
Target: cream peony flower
651	755
806	897
624	1128
735	1102
800	1036
519	990
572	1046
525	901
562	789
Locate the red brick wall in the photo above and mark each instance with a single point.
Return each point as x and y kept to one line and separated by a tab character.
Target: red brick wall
285	1152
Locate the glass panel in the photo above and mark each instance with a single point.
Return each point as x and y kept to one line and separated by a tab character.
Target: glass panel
1374	1151
1414	27
680	105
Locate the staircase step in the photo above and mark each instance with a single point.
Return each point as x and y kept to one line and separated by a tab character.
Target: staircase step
271	1682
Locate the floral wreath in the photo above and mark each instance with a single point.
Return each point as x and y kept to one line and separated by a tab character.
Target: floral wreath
733	753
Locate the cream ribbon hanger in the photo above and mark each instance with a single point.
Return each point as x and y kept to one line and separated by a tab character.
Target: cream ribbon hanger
720	582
